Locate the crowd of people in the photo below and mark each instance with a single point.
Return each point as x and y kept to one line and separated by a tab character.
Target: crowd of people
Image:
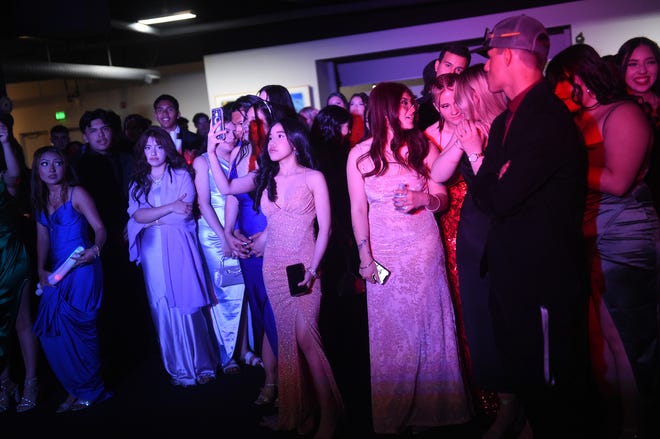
495	244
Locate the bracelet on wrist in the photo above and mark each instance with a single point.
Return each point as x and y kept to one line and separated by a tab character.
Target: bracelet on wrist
429	206
368	265
312	272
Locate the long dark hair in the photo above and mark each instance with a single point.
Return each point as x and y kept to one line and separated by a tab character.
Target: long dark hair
338	94
39	189
330	146
384	103
606	83
326	128
280	100
142	170
297	134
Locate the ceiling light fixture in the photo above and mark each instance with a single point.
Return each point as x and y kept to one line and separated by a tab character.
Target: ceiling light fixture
184	15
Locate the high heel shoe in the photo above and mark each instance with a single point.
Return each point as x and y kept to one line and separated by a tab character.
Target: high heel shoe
267	394
29	398
508	413
8	391
83	404
66	405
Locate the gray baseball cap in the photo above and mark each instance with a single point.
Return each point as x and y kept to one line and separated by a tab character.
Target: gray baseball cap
517	32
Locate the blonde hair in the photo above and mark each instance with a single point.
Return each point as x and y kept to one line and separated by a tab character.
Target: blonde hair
487	105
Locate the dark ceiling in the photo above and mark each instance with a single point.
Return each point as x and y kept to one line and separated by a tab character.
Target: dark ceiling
95	31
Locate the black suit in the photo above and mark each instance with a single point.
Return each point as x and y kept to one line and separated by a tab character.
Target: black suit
534	253
125	328
190	142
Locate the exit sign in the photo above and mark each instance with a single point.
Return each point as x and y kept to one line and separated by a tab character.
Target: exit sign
60	115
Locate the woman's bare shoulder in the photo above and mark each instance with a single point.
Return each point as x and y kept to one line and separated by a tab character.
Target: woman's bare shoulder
360	149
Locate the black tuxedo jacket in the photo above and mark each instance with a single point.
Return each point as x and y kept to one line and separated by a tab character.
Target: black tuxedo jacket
534	253
190	141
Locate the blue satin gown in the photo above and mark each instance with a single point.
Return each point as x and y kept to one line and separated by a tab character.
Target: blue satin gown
66	320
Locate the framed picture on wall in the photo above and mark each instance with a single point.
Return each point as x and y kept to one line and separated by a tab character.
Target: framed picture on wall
301	96
221	100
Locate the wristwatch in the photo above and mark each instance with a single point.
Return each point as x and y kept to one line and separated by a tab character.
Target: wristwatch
474	156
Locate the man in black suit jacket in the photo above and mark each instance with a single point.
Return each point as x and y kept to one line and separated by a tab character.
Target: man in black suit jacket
533	184
166	111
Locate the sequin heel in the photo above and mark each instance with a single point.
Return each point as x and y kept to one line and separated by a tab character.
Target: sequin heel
8	391
30	394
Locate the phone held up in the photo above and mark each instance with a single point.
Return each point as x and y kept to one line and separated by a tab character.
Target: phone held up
295	274
383	273
217	115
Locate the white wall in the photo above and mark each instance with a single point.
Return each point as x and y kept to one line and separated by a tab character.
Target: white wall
605	24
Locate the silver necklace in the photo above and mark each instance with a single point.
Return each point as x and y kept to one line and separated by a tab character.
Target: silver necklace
156	181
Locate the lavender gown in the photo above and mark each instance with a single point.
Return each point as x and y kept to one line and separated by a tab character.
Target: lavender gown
177	287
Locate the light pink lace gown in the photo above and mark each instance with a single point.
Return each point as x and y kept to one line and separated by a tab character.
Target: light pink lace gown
416	378
291	240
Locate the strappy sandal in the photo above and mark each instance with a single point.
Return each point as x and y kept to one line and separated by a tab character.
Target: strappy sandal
251	359
8	391
231	368
29	398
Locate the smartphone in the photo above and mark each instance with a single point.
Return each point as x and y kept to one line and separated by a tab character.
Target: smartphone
295	274
217	115
383	273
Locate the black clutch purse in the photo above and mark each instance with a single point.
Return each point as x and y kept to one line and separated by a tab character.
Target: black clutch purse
295	274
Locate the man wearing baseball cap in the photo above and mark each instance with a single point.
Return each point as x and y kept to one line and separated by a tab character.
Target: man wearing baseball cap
533	185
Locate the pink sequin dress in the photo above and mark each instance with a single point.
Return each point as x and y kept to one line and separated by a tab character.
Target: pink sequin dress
291	240
416	377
